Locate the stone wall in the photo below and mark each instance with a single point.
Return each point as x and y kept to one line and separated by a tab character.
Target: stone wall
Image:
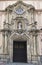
38	18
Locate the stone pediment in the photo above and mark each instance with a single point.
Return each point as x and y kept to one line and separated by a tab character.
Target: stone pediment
20	4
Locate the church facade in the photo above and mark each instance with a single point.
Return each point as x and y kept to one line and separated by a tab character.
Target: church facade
20	34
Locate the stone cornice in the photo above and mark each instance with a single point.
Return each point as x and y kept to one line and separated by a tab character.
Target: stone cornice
23	0
37	10
2	10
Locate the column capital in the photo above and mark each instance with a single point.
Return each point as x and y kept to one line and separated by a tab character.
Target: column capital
3	33
6	33
35	34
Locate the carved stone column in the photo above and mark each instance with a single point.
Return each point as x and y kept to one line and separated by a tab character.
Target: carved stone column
6	42
35	54
35	45
32	45
28	51
3	42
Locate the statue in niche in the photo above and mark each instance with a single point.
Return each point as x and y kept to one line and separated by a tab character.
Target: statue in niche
19	25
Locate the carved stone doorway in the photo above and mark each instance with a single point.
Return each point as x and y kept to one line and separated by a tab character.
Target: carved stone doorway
19	51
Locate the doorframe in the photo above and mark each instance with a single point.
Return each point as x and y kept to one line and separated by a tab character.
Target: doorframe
17	37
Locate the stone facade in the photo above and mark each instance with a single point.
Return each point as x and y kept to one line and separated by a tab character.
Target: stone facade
20	24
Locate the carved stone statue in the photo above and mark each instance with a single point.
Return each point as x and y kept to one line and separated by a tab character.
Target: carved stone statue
19	25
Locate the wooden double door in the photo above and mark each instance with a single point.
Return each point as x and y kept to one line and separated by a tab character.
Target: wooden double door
19	51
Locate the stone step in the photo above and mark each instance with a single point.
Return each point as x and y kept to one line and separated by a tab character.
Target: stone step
20	64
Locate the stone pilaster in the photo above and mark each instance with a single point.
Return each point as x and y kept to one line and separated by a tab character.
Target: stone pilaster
6	43
36	44
28	51
35	51
36	47
3	41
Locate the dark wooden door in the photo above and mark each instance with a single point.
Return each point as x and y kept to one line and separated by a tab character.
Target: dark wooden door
19	51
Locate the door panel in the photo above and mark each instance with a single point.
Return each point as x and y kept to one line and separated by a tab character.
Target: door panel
19	51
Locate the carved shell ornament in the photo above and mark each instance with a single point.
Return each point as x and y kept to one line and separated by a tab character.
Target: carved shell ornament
19	11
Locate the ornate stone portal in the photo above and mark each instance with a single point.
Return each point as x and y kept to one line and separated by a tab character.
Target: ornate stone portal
20	25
